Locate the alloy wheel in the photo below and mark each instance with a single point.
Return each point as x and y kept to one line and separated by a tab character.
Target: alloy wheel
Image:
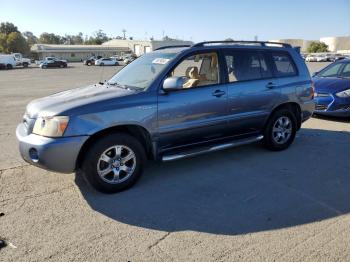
116	164
282	130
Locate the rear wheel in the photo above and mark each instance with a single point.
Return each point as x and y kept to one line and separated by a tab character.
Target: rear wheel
9	66
61	66
25	65
280	130
114	163
102	64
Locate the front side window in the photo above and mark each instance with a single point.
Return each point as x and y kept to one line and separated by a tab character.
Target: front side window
198	70
346	71
283	64
246	65
143	71
330	71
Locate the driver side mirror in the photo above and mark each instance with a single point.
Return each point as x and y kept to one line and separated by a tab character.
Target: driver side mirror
173	83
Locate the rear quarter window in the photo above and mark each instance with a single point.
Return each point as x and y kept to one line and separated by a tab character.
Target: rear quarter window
283	64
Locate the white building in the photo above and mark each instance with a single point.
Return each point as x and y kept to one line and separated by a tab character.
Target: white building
107	49
339	44
335	44
139	47
76	52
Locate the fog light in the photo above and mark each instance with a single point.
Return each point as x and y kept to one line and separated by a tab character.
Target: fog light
33	154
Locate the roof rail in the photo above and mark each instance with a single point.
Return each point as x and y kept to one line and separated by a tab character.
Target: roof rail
262	43
170	46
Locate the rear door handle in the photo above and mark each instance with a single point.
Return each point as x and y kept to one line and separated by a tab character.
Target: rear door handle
218	93
271	85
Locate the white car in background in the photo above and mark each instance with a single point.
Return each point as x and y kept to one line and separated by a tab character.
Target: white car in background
311	58
111	61
49	58
321	58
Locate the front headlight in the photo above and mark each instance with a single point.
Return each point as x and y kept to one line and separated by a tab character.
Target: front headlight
343	94
50	126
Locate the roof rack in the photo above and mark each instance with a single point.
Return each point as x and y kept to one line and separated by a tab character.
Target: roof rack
262	43
171	46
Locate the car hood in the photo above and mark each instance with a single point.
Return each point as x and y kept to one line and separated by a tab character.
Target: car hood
331	84
75	98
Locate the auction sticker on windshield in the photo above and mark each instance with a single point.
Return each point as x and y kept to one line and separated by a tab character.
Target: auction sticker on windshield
161	61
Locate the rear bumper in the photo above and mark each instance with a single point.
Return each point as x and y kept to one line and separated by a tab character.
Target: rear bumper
307	109
55	154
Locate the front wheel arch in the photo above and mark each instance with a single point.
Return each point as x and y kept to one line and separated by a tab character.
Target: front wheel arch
139	132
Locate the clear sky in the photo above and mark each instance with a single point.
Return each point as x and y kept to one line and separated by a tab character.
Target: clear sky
194	20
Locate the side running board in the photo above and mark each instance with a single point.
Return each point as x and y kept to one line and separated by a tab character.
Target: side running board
208	149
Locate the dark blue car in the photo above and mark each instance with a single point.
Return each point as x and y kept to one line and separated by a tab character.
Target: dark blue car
332	89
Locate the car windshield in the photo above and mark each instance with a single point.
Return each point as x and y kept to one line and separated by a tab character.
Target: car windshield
330	71
141	72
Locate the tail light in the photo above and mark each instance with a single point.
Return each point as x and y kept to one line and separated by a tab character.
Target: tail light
312	90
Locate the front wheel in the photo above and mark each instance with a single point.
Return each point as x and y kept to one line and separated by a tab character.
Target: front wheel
114	163
280	130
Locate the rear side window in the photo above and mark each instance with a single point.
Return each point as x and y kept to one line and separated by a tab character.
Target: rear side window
284	66
246	65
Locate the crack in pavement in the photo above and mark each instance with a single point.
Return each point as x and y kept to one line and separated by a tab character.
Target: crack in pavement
13	167
156	245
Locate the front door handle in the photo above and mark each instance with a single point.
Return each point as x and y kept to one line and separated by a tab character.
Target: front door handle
218	93
271	85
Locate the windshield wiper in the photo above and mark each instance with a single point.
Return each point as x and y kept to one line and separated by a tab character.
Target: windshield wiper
118	85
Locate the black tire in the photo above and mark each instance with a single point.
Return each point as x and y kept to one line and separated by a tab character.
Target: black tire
9	66
102	64
61	66
92	160
89	63
269	140
116	64
25	65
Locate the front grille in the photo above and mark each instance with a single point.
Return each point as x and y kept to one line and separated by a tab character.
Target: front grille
322	95
345	107
321	107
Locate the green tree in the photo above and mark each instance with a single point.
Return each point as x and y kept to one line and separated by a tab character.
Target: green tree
73	39
7	28
16	43
3	45
30	37
46	38
97	38
317	47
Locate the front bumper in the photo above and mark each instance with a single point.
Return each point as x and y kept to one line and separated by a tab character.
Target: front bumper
55	154
330	105
337	113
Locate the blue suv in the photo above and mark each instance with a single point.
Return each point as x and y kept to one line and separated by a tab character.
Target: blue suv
175	102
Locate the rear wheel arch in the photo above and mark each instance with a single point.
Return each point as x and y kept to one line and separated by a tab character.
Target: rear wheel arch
291	106
138	132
